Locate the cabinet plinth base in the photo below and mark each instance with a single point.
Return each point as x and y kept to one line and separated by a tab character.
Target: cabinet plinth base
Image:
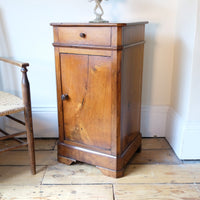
64	160
109	165
111	173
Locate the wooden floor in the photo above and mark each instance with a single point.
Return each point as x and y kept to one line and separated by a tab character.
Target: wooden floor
154	174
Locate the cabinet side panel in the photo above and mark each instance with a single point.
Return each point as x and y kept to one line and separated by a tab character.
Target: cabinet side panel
131	84
133	34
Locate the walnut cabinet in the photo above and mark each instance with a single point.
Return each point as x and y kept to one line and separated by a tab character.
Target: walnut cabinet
99	82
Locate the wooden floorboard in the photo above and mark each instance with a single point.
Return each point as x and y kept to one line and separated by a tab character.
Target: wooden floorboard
21	176
18	158
154	174
155	143
54	192
156	192
160	156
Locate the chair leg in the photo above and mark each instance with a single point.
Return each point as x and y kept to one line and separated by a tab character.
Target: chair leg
28	117
30	139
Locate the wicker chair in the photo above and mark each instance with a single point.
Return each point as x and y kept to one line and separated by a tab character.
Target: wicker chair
10	104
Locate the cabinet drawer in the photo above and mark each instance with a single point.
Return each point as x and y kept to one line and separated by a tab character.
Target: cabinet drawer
84	36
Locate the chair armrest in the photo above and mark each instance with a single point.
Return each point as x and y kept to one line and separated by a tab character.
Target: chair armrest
14	62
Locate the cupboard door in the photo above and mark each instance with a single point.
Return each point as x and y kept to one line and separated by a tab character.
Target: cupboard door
86	84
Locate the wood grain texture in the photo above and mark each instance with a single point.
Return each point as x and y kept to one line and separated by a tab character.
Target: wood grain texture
65	160
156	192
20	158
91	77
112	173
81	181
155	156
93	36
97	24
26	94
101	192
133	34
20	175
155	143
14	62
116	36
134	174
59	93
99	121
106	161
59	192
84	51
26	97
131	84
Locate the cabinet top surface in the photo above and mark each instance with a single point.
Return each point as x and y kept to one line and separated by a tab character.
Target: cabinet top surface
98	24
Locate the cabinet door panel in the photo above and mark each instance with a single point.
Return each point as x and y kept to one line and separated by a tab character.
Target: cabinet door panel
87	112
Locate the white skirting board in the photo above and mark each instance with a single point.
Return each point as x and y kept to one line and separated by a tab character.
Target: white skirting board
156	121
174	131
153	121
183	136
45	122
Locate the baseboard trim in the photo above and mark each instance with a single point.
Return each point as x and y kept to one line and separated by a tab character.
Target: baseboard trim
191	138
174	131
153	121
45	122
42	109
183	136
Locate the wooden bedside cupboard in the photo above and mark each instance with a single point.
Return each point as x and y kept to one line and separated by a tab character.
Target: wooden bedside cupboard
99	82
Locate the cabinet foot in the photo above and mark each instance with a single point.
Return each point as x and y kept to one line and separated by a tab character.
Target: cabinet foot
111	173
67	161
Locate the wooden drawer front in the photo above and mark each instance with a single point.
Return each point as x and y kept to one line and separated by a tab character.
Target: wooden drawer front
85	36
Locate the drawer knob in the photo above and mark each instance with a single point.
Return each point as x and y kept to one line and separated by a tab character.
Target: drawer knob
64	97
83	35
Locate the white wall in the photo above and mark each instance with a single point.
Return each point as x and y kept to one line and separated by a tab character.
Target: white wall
183	55
191	149
183	128
159	49
194	113
26	34
171	84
